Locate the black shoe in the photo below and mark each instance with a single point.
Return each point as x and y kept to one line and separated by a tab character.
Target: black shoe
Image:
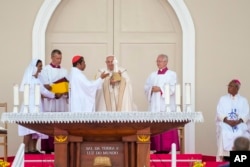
48	152
34	152
161	152
226	158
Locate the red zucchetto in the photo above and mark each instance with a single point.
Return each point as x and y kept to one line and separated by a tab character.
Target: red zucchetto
76	58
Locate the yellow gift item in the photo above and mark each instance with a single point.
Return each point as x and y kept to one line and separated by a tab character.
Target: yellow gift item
61	87
102	161
116	76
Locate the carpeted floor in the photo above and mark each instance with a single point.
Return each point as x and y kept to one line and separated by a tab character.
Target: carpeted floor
157	160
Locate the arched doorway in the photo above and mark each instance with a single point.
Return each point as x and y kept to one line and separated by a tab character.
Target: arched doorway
187	68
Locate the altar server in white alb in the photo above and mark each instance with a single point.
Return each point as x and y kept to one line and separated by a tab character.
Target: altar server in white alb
116	92
82	91
231	119
30	78
52	75
155	92
155	86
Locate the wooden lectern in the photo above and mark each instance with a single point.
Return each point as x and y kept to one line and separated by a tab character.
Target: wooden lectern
121	137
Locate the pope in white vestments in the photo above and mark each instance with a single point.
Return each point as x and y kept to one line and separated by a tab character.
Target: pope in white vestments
82	91
115	94
231	119
155	92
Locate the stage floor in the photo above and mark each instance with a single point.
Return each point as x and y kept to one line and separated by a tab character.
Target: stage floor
157	160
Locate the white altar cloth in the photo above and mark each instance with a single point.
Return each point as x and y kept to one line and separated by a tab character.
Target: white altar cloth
101	117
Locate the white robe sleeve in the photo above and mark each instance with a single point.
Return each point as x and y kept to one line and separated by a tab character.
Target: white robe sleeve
172	83
221	113
171	79
44	76
128	101
244	114
46	93
90	87
148	87
83	92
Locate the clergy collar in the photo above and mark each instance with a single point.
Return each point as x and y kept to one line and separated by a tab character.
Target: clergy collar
162	71
233	97
54	66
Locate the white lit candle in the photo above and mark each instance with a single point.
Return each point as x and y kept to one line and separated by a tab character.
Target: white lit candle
26	94
173	155
37	95
188	93
167	94
177	94
16	95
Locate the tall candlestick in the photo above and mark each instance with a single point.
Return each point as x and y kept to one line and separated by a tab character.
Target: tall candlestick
16	95
26	93
37	95
188	93
177	94
167	94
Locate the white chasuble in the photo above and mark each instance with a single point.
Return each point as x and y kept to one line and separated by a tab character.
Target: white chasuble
116	97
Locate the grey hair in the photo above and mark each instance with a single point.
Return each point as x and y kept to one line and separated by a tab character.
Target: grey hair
164	56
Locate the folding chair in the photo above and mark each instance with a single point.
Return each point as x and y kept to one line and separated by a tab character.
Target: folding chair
4	133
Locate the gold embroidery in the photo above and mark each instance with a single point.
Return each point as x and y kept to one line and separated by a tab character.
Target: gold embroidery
61	138
143	138
107	96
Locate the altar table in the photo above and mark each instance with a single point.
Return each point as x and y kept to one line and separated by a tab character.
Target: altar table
80	137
